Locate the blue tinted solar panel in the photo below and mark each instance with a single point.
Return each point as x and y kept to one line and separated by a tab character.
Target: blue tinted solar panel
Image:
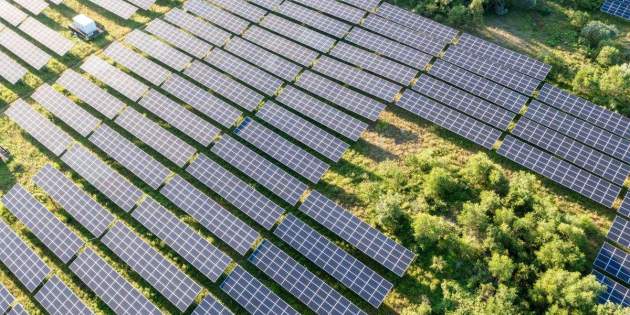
620	8
20	259
614	261
620	232
210	306
614	293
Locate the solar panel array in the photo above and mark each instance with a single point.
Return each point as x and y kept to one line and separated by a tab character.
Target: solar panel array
336	9
20	259
615	292
46	36
114	77
367	5
135	62
417	22
624	209
23	49
197	27
142	4
209	305
618	8
158	50
119	8
403	35
389	48
18	309
314	19
34	6
178	38
263	58
281	46
58	299
11	70
620	232
614	261
217	16
298	33
242	8
90	93
6	299
10	14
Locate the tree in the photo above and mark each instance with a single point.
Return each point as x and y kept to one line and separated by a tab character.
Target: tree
440	184
433	231
561	291
586	81
501	267
615	85
480	172
561	254
458	15
609	56
389	212
596	31
579	19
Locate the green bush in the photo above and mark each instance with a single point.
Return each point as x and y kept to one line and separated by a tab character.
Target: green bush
562	292
441	185
389	212
458	15
501	267
595	32
609	56
579	19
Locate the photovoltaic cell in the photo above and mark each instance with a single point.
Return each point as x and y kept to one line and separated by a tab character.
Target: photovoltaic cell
267	4
209	260
625	206
158	138
314	19
252	295
614	261
34	6
449	119
303	131
235	191
615	292
10	14
65	109
210	214
263	58
301	283
261	170
11	70
47	36
50	230
217	16
415	21
281	46
20	259
120	8
158	50
404	35
298	33
210	306
42	129
341	95
620	232
335	261
197	26
367	5
58	299
110	286
73	200
142	4
618	8
90	93
178	38
23	49
6	299
137	63
336	9
114	77
242	8
18	309
559	171
103	177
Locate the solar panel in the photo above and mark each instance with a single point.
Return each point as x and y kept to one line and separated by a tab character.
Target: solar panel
464	102
120	8
282	150
158	50
389	48
493	71
90	93
197	27
142	4
298	33
478	85
281	46
618	8
367	5
11	70
103	177
47	36
255	77
178	38
110	286
242	8
374	63
303	131
210	306
210	214
225	86
244	197
200	253
20	259
267	4
624	209
615	292
50	230
336	9
301	283
341	95
34	6
114	77
65	109
179	117
585	110
42	129
252	295
73	200
509	58
322	113
259	169
175	285
23	49
614	261
135	62
335	261
415	21
206	103
263	58
449	119
559	171
158	138
404	35
620	232
314	19
130	156
10	14
573	151
579	130
18	309
217	16
58	299
6	299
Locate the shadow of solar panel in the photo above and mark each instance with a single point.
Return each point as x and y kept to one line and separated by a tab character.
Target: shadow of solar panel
573	151
615	292
465	102
6	299
301	283
404	35
18	309
620	232
210	214
625	206
47	36
619	8
389	48
335	261
176	286
135	62
130	156
298	33
259	169
103	177
10	14
303	131
585	110
110	286
263	58
614	261
20	259
178	38
65	109
203	101
197	27
58	299
158	50
235	191
114	77
449	119
217	16
281	46
417	22
209	260
23	49
120	8
158	138
252	295
34	6
242	8
559	171
580	130
11	70
44	131
90	93
341	95
210	306
322	113
336	9
50	230
314	19
478	85
367	5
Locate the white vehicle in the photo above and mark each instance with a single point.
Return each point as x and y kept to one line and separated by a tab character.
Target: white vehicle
85	28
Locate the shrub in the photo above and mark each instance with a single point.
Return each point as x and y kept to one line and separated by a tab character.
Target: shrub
579	19
615	86
560	254
389	213
609	56
480	172
595	31
501	267
458	15
586	81
588	5
441	185
563	292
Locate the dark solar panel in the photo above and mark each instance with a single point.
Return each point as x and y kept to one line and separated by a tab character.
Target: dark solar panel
11	70
389	48
242	8
197	27
137	63
178	38
298	33
402	34
417	22
620	232
210	306
216	15
47	36
114	77
20	259
263	58
23	49
614	261
368	5
336	9
58	299
158	50
91	93
620	8
615	292
267	4
314	19
6	298
281	46
625	206
17	309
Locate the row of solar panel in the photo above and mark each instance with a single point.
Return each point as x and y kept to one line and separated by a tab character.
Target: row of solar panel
620	8
122	9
